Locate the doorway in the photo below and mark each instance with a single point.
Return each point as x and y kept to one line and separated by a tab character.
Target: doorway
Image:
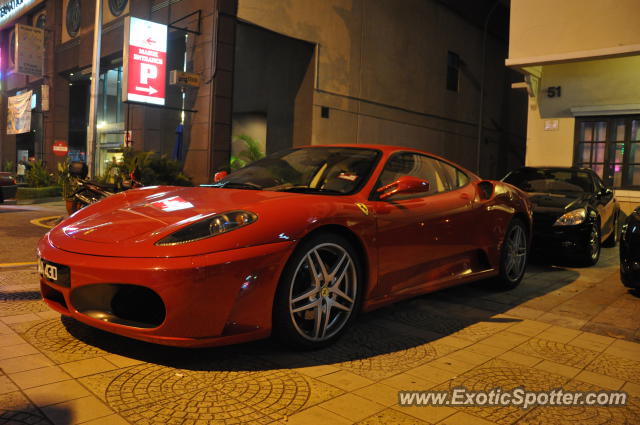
273	90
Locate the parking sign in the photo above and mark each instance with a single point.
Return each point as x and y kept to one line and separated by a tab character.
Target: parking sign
145	61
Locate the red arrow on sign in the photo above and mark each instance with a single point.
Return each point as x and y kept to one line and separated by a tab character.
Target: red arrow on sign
150	40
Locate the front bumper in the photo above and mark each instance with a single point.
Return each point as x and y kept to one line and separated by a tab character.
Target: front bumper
206	300
566	241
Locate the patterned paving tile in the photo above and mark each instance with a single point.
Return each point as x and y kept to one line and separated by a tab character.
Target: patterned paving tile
445	325
62	340
15	408
506	376
618	367
589	415
557	352
376	353
155	394
14	302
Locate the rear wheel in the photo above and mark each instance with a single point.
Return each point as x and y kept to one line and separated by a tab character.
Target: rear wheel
513	256
318	293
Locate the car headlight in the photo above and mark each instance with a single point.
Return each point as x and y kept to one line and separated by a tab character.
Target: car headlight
211	226
571	218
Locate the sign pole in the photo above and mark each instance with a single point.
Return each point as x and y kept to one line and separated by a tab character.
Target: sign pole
95	79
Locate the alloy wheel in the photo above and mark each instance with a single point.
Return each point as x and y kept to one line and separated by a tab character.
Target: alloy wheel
323	292
516	255
594	242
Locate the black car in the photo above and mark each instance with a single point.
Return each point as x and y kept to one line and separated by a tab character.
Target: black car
630	251
8	186
573	212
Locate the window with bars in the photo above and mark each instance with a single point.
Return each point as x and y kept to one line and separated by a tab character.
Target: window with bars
610	146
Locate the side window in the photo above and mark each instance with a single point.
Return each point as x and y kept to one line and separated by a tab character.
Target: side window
415	165
455	177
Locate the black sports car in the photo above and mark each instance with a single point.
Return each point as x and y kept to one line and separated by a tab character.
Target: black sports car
573	212
630	251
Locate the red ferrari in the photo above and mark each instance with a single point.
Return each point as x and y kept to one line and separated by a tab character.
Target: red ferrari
294	245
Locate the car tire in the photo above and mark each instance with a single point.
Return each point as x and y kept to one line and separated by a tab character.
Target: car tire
514	256
311	313
591	254
612	240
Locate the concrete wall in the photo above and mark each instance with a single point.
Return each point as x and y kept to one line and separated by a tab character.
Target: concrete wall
549	27
548	147
381	71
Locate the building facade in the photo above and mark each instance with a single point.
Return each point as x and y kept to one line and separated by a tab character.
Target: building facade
68	26
282	73
580	61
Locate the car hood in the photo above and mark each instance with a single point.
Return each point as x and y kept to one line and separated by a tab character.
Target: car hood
557	203
130	223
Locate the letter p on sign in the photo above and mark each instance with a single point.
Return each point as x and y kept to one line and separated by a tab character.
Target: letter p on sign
147	72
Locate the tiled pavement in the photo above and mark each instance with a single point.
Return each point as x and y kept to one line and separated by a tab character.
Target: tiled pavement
569	328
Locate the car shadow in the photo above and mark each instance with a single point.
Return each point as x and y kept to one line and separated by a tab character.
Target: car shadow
408	330
20	296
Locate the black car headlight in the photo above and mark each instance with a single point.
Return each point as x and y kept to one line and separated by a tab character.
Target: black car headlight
211	226
572	218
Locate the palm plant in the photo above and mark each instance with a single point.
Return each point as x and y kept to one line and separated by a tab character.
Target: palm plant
250	154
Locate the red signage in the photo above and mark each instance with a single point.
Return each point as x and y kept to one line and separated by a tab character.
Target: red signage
145	61
60	148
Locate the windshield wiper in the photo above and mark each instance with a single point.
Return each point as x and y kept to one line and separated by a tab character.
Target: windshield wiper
238	185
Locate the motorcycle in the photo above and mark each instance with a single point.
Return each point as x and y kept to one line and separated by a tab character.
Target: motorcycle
88	192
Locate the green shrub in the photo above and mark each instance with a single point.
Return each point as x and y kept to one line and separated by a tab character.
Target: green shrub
37	175
38	192
154	169
67	182
8	166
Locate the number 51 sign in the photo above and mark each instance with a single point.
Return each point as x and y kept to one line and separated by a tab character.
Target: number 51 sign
145	61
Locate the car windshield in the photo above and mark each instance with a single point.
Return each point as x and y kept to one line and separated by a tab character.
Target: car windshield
550	180
328	170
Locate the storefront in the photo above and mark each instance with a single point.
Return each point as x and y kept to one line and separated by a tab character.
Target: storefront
580	72
64	117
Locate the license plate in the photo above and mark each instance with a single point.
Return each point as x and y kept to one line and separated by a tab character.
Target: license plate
47	270
53	272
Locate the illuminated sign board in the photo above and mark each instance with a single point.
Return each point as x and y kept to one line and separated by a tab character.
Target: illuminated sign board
145	61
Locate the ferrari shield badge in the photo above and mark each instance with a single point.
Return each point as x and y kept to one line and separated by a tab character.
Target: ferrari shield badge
363	208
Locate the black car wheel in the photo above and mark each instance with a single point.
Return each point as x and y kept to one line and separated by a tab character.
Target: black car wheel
591	253
612	240
318	294
513	256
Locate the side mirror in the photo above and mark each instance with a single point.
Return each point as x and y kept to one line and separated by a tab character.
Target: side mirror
78	169
404	184
606	192
485	190
219	176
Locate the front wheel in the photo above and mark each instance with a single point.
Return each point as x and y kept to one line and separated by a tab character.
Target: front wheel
513	256
318	293
591	253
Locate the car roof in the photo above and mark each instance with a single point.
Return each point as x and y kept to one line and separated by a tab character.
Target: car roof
388	149
555	168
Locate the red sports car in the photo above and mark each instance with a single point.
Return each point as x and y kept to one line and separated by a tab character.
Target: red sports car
294	245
